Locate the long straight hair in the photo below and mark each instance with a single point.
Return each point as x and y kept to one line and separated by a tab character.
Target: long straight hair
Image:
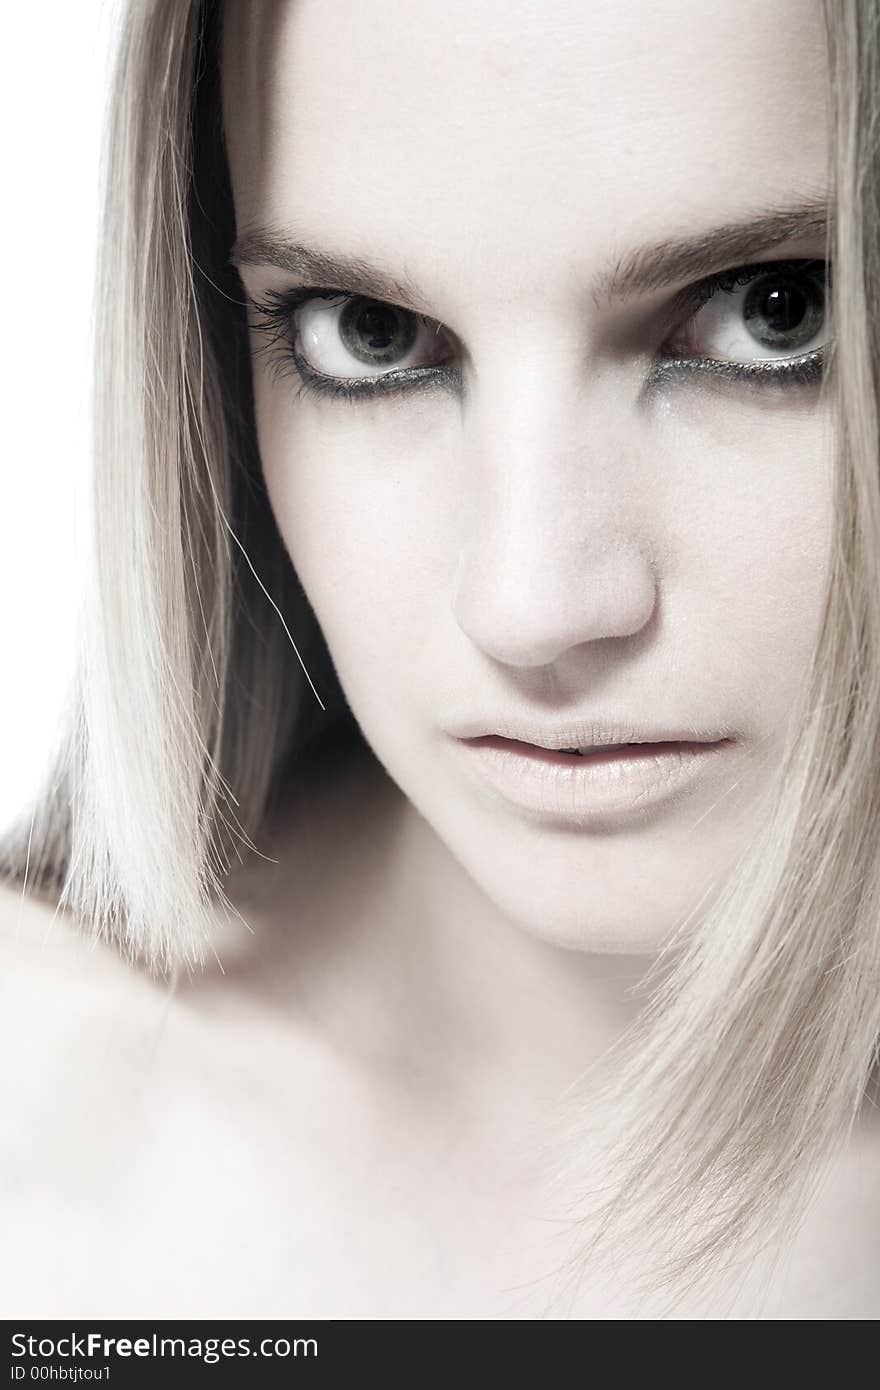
202	673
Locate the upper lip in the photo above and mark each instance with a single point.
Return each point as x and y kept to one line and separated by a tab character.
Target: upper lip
586	732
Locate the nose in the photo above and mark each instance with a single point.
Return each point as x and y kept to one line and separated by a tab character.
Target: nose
554	552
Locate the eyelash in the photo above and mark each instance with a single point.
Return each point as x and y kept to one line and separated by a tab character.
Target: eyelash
274	317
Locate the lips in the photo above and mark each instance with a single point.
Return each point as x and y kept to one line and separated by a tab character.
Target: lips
594	731
625	783
603	753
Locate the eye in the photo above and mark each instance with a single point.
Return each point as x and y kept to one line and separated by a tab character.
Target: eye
758	316
766	324
351	336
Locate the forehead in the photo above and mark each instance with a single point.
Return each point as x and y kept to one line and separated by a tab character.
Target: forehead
418	130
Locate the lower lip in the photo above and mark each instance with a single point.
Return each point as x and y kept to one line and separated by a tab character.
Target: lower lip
628	781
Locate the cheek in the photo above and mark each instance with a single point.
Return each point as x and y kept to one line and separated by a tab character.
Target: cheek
745	523
363	521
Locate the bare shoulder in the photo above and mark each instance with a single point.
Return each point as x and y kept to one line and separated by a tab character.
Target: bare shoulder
52	973
106	1092
79	1032
72	1014
186	1122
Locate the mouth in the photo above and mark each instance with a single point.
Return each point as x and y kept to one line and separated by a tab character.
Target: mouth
580	782
604	752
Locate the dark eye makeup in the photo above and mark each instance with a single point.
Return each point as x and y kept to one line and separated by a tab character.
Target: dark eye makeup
782	293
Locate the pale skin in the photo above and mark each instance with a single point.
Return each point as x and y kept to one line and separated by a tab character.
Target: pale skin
343	1121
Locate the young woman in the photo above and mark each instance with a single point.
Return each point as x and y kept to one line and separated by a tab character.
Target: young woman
459	893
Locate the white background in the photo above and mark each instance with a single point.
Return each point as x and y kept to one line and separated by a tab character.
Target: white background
54	81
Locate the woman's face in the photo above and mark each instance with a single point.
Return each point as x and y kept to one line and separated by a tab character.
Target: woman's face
592	498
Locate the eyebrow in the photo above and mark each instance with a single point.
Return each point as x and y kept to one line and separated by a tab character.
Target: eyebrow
665	263
353	274
640	271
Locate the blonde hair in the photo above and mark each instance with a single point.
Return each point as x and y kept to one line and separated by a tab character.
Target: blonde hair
202	666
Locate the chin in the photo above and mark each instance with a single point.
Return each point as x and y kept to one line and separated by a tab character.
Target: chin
625	895
590	921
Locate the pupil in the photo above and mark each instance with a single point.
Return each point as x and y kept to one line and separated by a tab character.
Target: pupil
374	327
783	314
376	333
784	309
